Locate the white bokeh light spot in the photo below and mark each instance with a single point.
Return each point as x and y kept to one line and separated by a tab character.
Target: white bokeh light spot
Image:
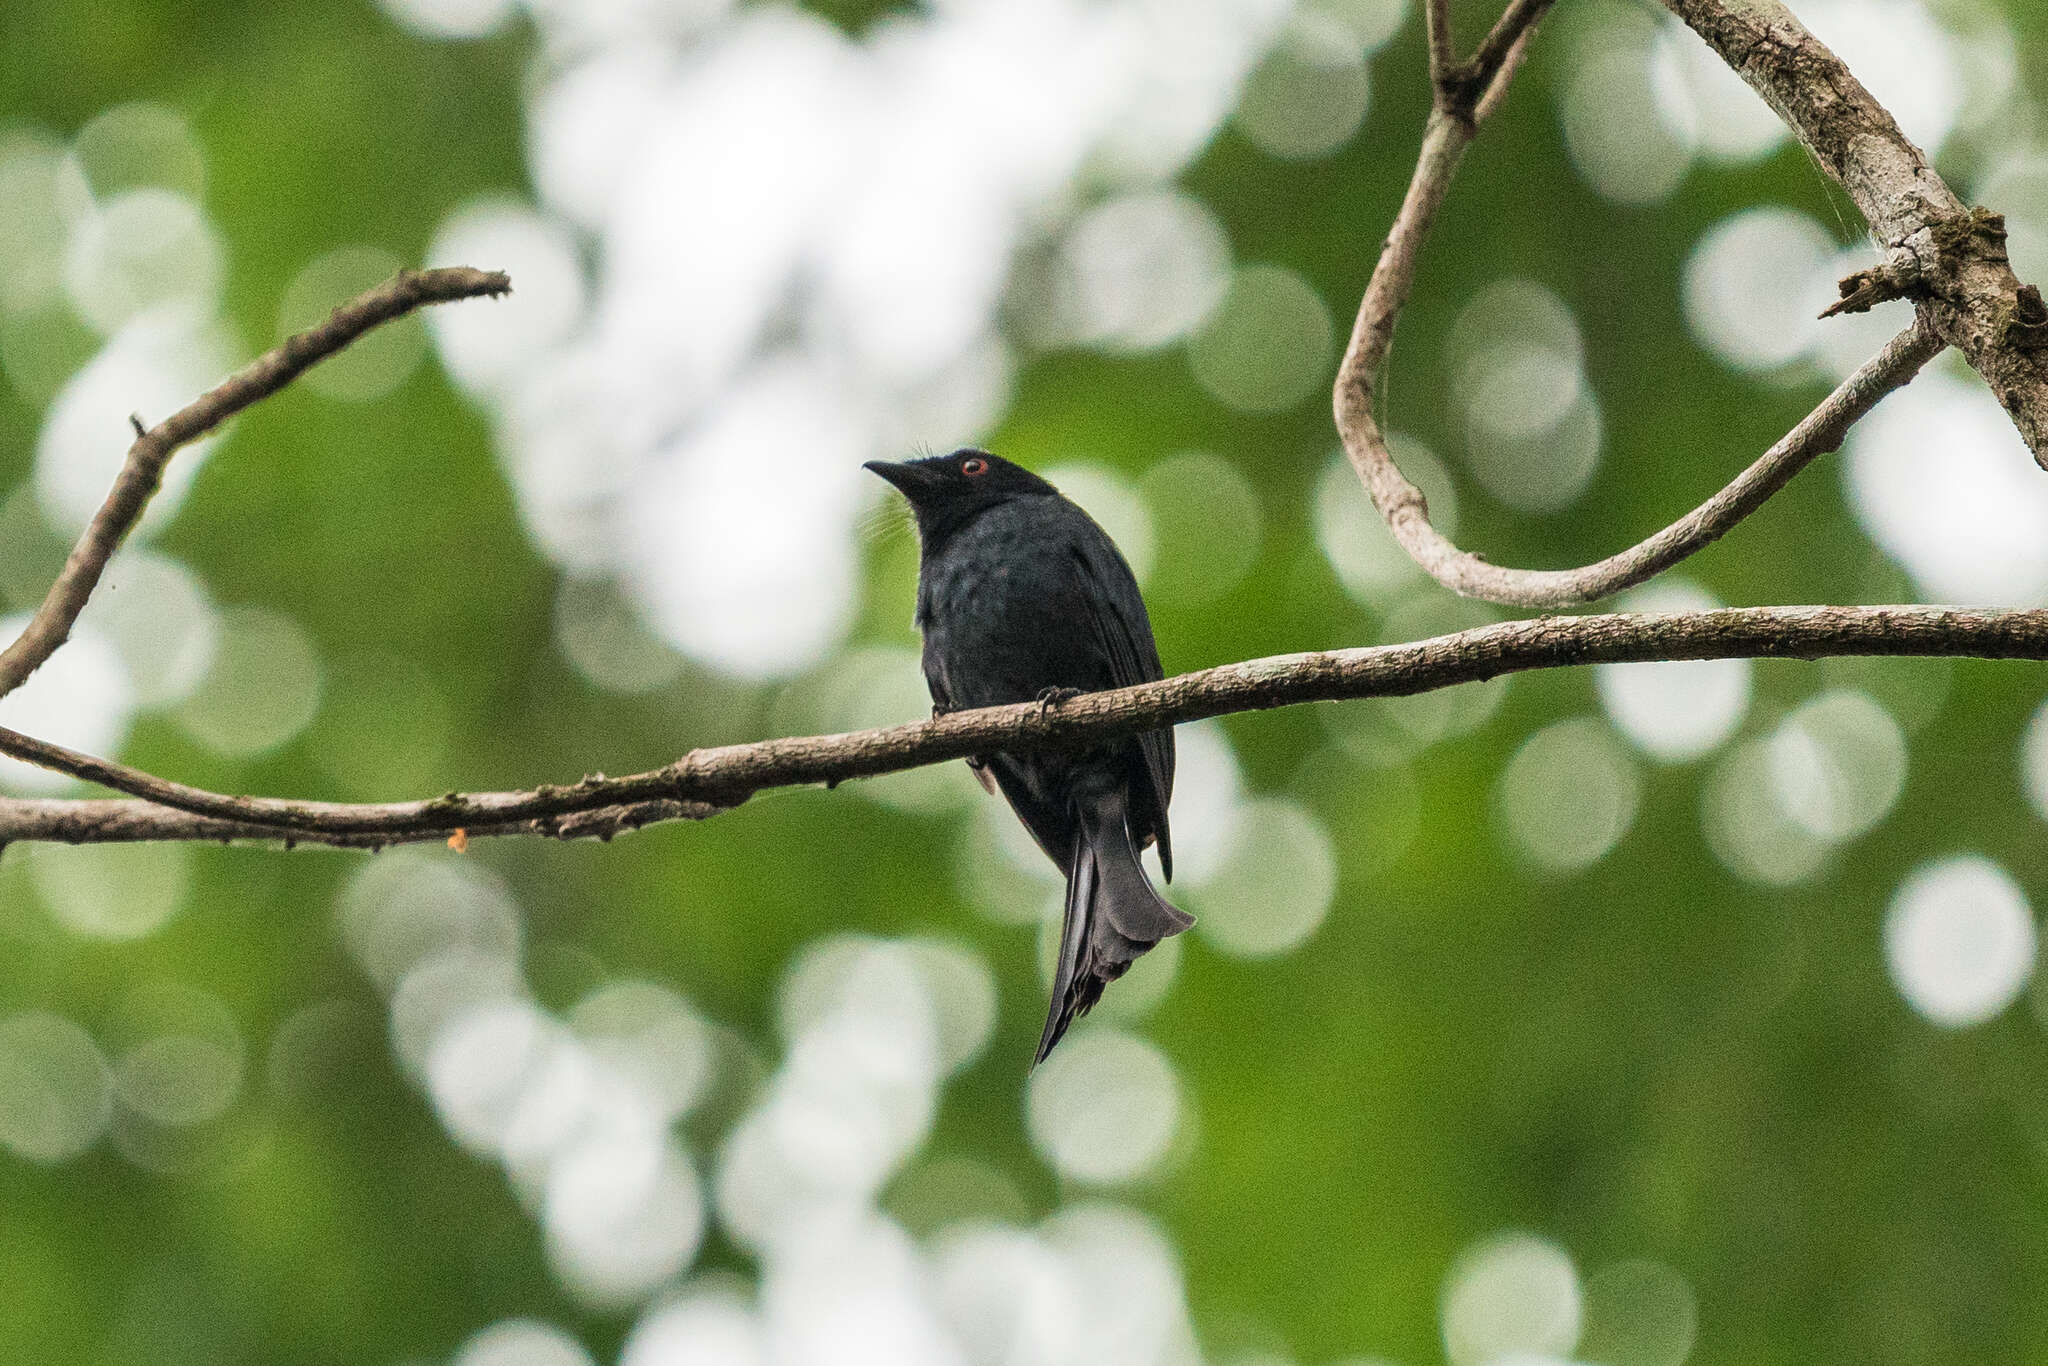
1103	1109
1569	794
522	1342
2034	761
374	365
623	1214
146	250
1142	270
81	699
1902	53
1959	940
1511	1297
1838	763
262	686
1755	285
1368	561
160	617
492	344
1307	98
1941	481
1639	1313
412	904
154	366
190	1073
1008	1296
1206	807
742	537
1674	710
707	1327
1700	100
55	1088
1747	827
1616	125
135	144
1265	347
1274	888
113	893
586	127
450	19
1533	428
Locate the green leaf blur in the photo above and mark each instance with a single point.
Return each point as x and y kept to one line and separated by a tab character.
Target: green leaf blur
1639	1056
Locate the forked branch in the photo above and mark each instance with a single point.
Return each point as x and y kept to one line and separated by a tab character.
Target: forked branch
704	782
1950	259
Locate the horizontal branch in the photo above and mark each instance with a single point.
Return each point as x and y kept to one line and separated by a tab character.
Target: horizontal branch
142	472
705	780
134	821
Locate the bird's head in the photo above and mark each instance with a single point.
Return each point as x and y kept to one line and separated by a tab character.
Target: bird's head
947	491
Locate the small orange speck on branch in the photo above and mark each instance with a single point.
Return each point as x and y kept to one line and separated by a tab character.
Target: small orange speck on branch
459	841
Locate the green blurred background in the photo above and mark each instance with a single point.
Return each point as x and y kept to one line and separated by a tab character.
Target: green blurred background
1664	1014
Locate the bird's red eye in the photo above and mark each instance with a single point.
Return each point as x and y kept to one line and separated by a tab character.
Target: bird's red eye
974	466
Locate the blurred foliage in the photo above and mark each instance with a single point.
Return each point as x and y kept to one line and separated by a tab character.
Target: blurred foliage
1652	1058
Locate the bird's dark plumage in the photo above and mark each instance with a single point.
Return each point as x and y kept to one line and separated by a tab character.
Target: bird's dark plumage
1020	595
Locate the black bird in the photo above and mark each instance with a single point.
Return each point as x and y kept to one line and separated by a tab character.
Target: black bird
1022	597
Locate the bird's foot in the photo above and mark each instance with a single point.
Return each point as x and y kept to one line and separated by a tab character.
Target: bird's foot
1051	698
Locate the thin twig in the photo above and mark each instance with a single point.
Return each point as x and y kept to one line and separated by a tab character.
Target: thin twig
1497	89
153	447
1443	56
121	821
1516	23
1402	505
1820	431
1470	91
708	779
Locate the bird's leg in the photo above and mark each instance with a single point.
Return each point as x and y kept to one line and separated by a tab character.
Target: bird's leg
1050	699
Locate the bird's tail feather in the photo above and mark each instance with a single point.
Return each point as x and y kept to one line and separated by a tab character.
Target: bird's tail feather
1112	914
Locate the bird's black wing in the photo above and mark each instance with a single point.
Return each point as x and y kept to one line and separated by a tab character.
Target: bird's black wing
942	702
1116	611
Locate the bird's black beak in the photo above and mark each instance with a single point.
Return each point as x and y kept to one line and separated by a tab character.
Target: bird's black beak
909	479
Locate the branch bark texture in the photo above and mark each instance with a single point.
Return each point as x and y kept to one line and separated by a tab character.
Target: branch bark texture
1950	259
705	781
1938	250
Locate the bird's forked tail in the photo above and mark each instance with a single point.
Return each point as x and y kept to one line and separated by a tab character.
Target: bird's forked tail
1113	915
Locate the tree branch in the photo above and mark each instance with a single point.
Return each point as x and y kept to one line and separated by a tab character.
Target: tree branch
142	473
1493	64
1402	505
1443	57
60	821
1822	430
1950	257
707	780
1469	91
